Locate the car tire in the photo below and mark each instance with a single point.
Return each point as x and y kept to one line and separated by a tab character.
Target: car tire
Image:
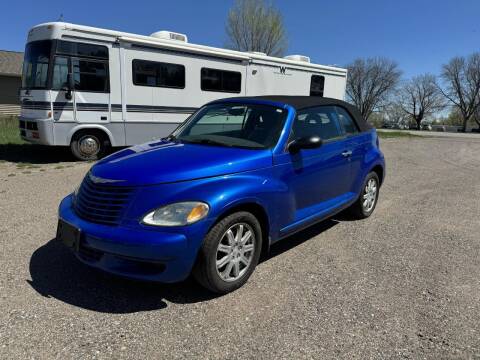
218	248
364	206
89	145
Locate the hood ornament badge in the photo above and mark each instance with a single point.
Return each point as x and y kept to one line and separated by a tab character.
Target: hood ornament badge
99	180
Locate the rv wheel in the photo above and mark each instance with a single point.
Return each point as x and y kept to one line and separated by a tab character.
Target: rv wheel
89	145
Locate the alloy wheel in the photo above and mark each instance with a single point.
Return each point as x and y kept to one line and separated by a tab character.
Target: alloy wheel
235	252
370	195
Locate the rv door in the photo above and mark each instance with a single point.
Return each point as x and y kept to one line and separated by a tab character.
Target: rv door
91	90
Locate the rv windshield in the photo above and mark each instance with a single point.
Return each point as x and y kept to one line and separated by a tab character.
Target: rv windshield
35	65
251	126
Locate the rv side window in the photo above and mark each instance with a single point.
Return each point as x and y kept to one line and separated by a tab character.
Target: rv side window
82	50
60	73
221	80
90	75
151	73
317	85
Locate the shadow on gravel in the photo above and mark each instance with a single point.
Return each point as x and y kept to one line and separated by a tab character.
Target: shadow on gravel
299	238
57	273
35	154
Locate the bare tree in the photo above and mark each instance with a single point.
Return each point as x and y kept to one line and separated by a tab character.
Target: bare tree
462	85
420	97
370	82
476	117
394	114
255	25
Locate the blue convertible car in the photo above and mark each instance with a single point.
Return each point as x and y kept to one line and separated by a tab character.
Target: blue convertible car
239	175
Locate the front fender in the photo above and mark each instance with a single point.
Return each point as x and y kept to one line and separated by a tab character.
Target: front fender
91	126
222	193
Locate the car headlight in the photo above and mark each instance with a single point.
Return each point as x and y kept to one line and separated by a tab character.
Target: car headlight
177	214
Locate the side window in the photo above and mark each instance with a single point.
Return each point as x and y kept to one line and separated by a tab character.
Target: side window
221	80
347	122
317	85
320	121
60	73
82	50
89	66
158	74
90	75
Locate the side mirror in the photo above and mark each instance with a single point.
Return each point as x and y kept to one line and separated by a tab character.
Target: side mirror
68	94
311	142
68	88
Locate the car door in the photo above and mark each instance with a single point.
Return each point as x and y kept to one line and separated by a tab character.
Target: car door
317	178
355	145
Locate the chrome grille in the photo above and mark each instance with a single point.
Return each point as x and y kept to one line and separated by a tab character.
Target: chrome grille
102	203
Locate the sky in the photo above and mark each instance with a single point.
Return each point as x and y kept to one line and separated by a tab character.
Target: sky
420	35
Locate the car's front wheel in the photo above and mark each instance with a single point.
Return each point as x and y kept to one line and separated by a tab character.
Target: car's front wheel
229	253
367	201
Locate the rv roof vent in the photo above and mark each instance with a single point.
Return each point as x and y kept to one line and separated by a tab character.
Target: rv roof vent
298	58
169	35
257	53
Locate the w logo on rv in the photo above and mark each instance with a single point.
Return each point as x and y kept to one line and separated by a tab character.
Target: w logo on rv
282	70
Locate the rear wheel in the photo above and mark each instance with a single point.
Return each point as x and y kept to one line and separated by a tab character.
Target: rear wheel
89	145
367	201
230	253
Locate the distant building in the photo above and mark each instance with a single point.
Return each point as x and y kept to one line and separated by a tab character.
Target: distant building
10	81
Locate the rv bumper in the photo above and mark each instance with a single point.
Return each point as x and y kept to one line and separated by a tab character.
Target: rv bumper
37	131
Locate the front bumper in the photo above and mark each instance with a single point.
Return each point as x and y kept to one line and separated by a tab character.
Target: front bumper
41	133
134	252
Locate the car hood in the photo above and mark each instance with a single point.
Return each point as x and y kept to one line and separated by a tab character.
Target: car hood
166	162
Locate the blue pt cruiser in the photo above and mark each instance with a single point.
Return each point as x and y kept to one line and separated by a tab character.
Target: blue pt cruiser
239	175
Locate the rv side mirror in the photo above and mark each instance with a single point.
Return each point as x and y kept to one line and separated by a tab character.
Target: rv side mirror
68	87
68	94
310	142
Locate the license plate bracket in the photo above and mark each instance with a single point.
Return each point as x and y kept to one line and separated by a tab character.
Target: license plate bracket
68	234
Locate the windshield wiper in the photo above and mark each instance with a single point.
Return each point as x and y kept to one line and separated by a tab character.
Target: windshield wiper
208	142
169	138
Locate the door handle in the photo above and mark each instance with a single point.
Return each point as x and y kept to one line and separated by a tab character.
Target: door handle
347	153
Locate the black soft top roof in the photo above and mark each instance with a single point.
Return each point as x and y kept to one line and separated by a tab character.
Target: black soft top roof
304	102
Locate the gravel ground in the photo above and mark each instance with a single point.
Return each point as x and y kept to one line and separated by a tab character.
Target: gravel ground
404	283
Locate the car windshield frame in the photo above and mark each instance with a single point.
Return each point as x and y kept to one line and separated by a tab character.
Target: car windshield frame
257	126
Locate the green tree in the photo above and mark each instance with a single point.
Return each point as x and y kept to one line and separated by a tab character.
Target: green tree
255	25
454	118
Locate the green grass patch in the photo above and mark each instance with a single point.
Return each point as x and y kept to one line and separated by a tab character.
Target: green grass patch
395	134
9	131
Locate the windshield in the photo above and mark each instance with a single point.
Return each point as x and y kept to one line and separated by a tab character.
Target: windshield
250	126
35	65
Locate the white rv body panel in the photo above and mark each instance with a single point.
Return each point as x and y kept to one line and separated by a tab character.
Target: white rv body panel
130	113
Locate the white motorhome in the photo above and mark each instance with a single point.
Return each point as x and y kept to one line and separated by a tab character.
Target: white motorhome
90	88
